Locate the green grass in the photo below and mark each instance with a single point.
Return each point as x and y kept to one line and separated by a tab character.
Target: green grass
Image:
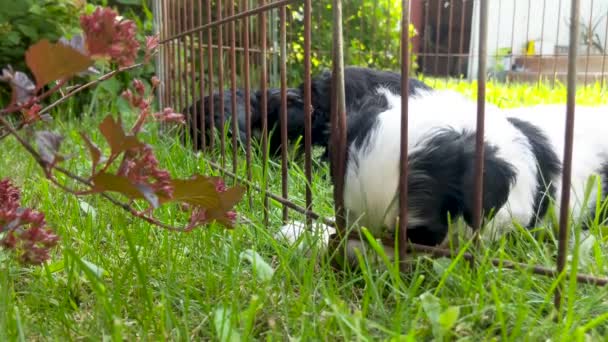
118	278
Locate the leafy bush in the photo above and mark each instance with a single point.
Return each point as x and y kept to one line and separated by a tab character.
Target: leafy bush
129	168
25	22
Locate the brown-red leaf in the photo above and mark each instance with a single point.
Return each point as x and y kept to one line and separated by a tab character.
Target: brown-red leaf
198	191
108	182
116	137
231	197
50	62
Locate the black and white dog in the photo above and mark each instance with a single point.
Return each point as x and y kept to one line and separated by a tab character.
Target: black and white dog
523	160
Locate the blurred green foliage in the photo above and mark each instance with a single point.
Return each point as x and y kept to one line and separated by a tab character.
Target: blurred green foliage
24	22
372	35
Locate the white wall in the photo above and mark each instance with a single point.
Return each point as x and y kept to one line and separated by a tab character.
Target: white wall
507	16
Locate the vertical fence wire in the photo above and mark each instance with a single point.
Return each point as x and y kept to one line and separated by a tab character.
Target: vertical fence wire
220	84
210	72
174	54
193	117
307	107
405	57
588	40
604	53
202	117
567	164
183	10
247	103
461	43
338	116
541	53
164	29
180	52
437	36
233	71
450	23
556	54
283	119
481	101
264	109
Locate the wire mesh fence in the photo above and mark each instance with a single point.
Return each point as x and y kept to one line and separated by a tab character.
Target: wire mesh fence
243	71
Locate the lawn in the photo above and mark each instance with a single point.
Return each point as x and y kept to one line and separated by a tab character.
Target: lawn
116	277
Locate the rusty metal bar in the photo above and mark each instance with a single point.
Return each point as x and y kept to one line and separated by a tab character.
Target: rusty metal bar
247	103
164	29
590	36
338	116
437	37
450	23
528	26
180	64
283	120
202	115
497	31
481	102
426	35
567	163
210	72
264	110
403	176
243	14
542	38
184	57
461	45
235	123
194	114
220	59
307	106
173	59
513	33
604	55
555	54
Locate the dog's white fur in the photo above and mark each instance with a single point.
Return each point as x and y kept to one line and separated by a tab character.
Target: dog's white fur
371	188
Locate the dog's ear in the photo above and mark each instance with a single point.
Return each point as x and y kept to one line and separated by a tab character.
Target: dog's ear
498	178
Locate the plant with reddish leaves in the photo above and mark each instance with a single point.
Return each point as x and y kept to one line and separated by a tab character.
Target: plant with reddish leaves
25	230
138	175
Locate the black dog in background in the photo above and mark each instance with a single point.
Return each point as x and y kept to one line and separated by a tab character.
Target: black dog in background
295	121
194	130
358	81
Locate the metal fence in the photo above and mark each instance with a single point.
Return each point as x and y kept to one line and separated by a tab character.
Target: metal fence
210	45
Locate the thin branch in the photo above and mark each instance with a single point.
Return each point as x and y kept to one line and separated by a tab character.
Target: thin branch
88	85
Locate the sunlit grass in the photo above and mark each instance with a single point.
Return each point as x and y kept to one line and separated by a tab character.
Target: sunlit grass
116	277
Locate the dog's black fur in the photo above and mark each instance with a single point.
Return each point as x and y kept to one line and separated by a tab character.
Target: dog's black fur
548	167
360	85
217	100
